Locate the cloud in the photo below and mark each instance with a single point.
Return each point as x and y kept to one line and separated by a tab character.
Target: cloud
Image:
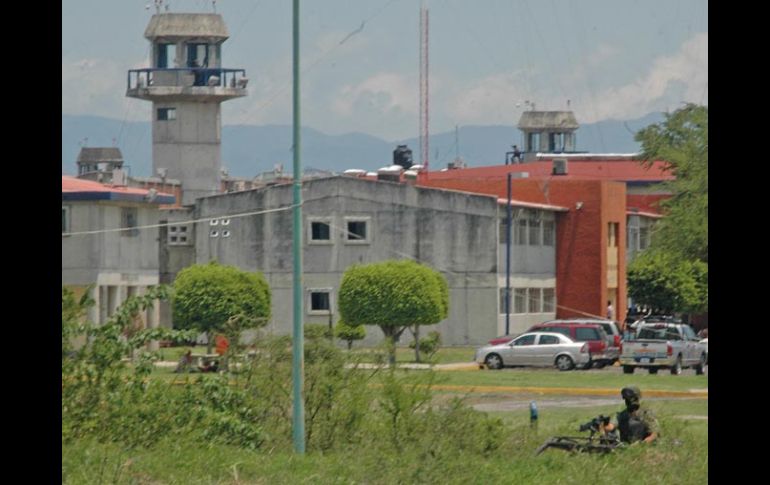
93	86
682	77
384	93
493	99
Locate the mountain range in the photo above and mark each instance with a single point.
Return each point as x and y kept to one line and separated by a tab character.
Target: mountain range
248	150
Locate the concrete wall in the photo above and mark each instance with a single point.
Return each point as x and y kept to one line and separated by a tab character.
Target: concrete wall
452	232
118	265
189	146
173	257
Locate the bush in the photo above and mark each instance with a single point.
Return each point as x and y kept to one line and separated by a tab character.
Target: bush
430	344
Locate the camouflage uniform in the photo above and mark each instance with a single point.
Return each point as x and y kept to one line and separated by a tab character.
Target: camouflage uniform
635	423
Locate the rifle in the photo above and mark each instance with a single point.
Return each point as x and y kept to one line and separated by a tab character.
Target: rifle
604	443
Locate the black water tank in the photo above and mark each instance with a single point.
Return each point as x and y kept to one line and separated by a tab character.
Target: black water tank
402	155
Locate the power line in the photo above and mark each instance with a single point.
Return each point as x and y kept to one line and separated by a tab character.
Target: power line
177	223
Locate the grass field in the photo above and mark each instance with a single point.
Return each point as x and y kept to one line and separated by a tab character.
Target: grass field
681	457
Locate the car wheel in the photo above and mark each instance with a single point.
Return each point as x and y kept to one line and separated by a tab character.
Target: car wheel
653	370
677	368
699	369
628	369
564	362
493	361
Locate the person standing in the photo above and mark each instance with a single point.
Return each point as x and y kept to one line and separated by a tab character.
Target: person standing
610	310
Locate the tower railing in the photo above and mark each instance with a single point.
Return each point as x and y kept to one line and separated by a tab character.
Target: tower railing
186	77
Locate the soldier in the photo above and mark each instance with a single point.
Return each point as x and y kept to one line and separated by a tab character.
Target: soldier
635	423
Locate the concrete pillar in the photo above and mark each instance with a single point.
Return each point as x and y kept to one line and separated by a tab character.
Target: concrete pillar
93	311
153	320
113	299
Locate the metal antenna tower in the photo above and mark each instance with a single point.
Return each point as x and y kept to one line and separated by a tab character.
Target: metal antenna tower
424	95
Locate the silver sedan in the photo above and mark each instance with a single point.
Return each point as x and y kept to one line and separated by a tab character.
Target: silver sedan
544	349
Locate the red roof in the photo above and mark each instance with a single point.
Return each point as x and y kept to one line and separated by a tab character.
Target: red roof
90	190
620	170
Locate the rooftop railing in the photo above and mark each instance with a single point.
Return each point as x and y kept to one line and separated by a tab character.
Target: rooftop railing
186	77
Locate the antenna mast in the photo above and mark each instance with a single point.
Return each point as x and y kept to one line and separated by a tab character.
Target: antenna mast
424	95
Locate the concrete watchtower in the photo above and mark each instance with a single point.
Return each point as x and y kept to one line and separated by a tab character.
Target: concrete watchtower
186	84
548	131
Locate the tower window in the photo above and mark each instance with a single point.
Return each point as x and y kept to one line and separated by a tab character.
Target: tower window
164	54
166	114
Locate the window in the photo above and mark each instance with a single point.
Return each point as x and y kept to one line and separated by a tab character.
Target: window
166	114
320	231
534	300
549	300
525	340
644	238
583	334
549	340
164	54
521	228
549	232
562	330
320	301
534	228
357	230
129	219
504	231
178	235
502	301
65	219
533	142
520	300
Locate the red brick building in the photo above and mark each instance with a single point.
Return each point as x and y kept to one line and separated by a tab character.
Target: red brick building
591	237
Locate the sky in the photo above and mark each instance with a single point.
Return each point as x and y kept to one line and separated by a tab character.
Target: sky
489	60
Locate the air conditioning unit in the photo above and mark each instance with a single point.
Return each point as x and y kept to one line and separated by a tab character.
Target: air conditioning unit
118	177
559	166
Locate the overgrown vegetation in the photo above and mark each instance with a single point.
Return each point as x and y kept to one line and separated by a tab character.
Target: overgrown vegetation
111	404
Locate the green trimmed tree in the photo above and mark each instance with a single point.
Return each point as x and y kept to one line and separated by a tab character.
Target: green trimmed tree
211	297
393	295
666	283
349	333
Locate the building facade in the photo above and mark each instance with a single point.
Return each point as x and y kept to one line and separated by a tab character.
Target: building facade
103	245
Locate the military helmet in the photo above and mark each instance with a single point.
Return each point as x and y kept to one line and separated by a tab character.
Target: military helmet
631	392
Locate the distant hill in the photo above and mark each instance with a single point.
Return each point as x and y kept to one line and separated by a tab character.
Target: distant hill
249	150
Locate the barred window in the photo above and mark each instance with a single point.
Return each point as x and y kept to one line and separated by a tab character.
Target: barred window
549	233
549	300
534	228
520	300
535	300
521	229
644	238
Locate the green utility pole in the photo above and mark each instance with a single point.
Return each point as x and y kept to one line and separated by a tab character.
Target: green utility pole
298	362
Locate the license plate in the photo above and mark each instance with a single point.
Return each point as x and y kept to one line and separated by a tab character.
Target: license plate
644	361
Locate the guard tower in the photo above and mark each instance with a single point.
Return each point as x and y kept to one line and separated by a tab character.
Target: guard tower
548	131
186	84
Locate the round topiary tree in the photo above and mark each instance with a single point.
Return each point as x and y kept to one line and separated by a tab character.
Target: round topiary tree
210	297
349	333
393	295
